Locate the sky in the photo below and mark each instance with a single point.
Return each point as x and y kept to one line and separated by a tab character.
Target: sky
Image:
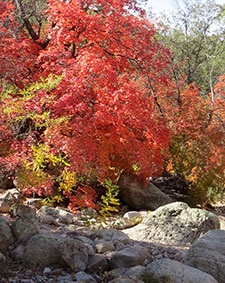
168	5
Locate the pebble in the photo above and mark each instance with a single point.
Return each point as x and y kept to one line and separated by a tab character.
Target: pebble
47	270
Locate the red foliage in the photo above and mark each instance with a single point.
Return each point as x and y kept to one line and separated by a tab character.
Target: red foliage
104	52
112	67
17	52
84	197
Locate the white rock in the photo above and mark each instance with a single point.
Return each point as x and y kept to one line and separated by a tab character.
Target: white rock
47	270
175	224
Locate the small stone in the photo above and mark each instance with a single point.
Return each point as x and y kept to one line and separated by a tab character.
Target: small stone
65	279
104	246
57	271
84	277
47	270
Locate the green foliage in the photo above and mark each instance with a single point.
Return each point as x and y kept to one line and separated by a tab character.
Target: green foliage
67	182
33	103
110	199
195	35
41	170
43	157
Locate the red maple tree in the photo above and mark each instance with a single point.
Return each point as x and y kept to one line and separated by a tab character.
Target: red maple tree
112	67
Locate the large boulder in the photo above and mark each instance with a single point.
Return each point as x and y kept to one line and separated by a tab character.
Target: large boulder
24	226
177	272
174	224
208	254
139	196
43	250
49	250
74	253
6	236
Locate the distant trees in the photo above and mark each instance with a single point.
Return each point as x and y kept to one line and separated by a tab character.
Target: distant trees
196	36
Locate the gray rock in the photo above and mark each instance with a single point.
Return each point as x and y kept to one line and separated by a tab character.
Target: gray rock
208	254
132	272
51	215
43	250
138	196
17	253
8	199
47	219
175	224
20	210
128	257
117	272
6	219
3	264
180	255
24	226
65	279
110	235
74	253
49	250
126	280
84	277
178	272
90	249
6	236
135	272
104	246
85	240
97	263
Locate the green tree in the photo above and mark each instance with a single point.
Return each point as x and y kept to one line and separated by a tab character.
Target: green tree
195	34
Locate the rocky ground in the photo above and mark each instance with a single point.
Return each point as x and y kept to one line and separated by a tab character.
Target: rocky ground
47	244
164	242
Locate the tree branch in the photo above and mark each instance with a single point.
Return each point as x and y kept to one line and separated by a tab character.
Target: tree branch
27	23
